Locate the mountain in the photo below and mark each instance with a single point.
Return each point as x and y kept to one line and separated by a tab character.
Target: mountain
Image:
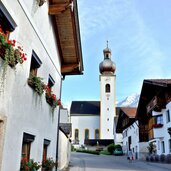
130	101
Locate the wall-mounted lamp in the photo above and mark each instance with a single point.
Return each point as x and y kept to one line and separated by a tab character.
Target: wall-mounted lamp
41	2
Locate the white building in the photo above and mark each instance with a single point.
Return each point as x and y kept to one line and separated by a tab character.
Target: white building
28	127
129	127
64	146
154	116
93	121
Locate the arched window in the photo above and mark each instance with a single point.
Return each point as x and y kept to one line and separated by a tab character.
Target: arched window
76	134
96	133
107	88
86	134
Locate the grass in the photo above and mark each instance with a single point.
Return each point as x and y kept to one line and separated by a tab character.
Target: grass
88	151
105	152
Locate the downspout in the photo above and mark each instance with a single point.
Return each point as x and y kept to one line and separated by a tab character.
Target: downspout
57	141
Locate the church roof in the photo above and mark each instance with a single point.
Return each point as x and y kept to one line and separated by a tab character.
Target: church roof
85	108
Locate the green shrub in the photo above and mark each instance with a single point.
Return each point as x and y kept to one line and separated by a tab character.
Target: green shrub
111	148
88	151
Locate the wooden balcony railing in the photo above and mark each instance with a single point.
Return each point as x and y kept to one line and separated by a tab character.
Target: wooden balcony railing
156	104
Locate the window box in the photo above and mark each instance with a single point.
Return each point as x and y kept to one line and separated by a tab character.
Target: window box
157	125
36	83
51	98
10	51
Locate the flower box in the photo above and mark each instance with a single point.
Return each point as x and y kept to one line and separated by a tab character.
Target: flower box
10	51
157	125
36	83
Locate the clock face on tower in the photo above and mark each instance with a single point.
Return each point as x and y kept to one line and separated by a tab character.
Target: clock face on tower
107	79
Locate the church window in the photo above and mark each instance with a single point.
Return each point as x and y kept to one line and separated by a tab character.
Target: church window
76	134
96	133
86	134
107	88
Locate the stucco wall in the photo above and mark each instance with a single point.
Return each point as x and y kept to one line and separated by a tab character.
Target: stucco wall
139	149
82	123
107	110
24	109
64	151
161	134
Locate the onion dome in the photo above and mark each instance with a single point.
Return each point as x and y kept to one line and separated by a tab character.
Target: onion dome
107	65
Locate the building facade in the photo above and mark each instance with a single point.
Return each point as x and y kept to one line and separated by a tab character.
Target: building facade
30	85
107	96
93	121
154	114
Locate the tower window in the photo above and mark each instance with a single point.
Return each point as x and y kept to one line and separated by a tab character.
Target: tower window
107	88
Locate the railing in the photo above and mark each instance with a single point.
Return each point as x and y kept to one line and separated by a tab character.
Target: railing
155	104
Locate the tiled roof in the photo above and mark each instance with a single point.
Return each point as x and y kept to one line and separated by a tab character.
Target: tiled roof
129	111
85	108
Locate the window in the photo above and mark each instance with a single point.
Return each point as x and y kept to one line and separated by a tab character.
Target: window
158	119
169	145
50	84
26	146
35	64
86	134
167	116
162	147
6	22
45	148
96	133
107	88
76	134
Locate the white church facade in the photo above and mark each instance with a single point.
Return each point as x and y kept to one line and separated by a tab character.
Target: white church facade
93	121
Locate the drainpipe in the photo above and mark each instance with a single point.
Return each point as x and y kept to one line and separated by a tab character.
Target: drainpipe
57	141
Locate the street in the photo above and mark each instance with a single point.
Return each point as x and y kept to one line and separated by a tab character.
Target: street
89	162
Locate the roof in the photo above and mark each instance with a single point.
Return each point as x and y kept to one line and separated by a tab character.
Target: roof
129	111
85	108
66	24
125	117
150	88
65	127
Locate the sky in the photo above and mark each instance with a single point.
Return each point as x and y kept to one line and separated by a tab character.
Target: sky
139	36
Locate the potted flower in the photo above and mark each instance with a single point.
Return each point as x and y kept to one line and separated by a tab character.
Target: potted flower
10	51
51	98
30	165
157	125
49	164
36	83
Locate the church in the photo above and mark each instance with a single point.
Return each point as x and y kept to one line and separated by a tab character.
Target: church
93	122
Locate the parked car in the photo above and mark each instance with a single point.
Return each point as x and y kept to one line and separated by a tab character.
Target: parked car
118	152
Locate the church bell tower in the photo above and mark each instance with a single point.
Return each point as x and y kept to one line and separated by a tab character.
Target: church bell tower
107	96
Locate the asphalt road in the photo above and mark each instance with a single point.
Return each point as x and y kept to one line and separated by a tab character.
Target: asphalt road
89	162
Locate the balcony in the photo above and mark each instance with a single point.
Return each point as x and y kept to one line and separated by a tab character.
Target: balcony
156	104
159	125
